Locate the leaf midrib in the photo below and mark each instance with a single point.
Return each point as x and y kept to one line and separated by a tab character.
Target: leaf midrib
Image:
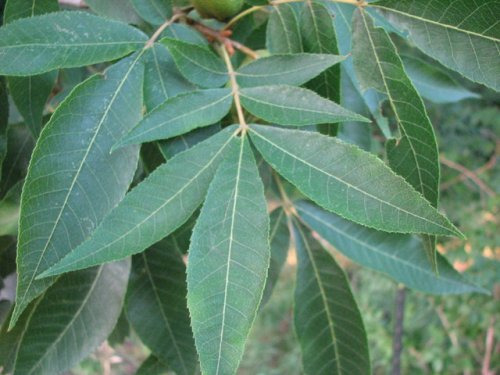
374	248
67	45
78	171
319	281
393	105
284	72
437	23
209	163
163	314
73	319
185	114
349	185
230	248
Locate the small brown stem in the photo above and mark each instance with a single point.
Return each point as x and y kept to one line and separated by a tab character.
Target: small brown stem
486	167
162	28
447	327
227	42
243	14
235	89
490	339
468	173
397	341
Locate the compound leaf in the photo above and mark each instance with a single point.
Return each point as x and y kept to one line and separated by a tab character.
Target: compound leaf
228	261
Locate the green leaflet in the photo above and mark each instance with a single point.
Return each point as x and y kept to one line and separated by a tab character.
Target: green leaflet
348	181
66	316
152	366
295	106
185	33
292	70
283	32
180	115
152	210
16	9
415	156
157	308
20	144
63	40
318	36
372	99
9	211
170	147
433	82
399	256
121	10
74	181
153	11
198	64
4	122
228	261
327	319
462	35
162	79
279	239
30	93
120	331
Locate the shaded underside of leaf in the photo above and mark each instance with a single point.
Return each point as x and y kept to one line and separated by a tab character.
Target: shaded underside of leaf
157	308
228	261
60	328
318	35
327	319
30	93
463	35
399	256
